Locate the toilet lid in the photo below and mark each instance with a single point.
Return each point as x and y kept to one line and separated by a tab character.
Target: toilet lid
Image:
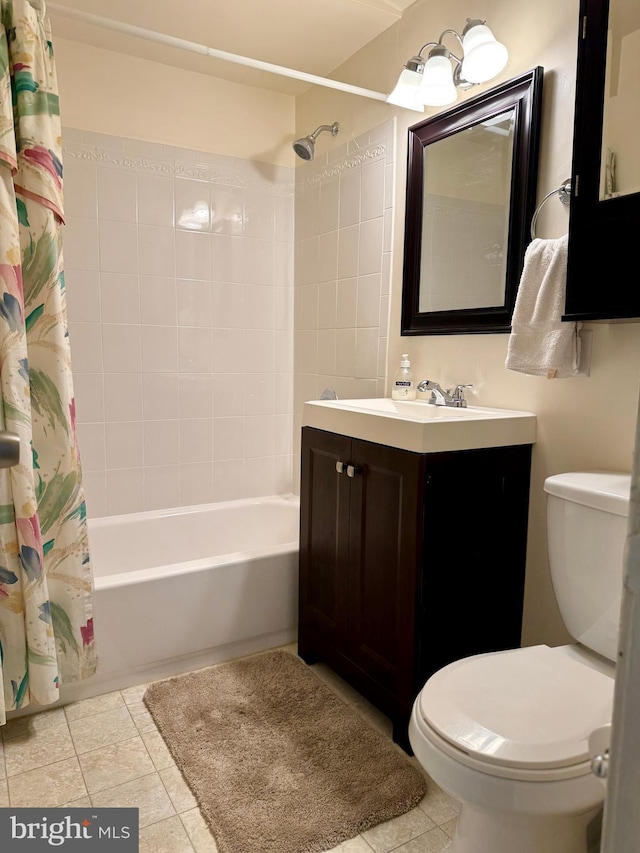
528	708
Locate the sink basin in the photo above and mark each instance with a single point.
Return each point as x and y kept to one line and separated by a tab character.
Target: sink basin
420	427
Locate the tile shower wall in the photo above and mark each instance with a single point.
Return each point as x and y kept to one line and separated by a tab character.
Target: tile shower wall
343	239
179	283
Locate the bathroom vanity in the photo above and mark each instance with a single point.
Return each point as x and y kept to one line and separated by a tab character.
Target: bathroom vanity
413	528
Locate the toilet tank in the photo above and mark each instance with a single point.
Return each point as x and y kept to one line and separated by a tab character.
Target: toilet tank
586	532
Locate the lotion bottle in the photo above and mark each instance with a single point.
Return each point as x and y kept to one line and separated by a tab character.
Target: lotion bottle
404	387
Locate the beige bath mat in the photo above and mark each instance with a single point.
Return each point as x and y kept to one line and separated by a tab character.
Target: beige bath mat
277	762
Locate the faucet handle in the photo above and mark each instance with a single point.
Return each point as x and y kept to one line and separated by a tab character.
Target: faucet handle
457	395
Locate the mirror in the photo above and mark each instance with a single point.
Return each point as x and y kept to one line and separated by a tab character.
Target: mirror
605	207
471	183
620	156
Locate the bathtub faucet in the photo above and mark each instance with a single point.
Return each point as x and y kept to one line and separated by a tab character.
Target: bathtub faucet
439	397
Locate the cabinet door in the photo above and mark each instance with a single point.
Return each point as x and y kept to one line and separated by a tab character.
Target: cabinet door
324	533
383	559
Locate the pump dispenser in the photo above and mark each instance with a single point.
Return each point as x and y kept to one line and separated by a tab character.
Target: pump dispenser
404	387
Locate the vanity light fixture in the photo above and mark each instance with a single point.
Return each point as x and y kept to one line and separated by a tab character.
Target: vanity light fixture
433	81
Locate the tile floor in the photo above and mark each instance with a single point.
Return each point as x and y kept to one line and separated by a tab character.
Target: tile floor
106	751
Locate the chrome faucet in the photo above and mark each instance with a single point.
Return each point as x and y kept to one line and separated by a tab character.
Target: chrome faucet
439	397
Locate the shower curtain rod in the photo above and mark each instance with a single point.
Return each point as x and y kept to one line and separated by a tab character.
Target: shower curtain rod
203	50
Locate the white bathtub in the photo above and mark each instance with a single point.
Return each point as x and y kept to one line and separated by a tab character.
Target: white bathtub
184	588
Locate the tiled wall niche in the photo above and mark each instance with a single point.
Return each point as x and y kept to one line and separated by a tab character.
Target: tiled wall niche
343	241
179	272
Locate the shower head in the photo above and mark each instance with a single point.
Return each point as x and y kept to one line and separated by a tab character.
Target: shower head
305	146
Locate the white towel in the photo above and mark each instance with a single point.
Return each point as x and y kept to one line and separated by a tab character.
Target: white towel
540	344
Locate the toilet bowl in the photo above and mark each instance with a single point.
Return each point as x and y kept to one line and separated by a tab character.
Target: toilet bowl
507	733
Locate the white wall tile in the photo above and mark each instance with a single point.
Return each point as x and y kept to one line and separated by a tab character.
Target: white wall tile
228	480
259	216
195	350
228	438
82	288
196	395
80	189
193	255
160	349
366	354
259	476
228	310
121	346
194	302
227	258
161	487
91	440
160	396
85	340
157	250
161	442
349	198
259	307
327	305
196	440
80	243
227	210
229	393
196	483
120	297
192	205
118	246
124	444
329	206
258	436
95	490
259	394
328	256
155	200
346	303
158	301
228	351
345	352
124	491
89	396
370	247
348	243
368	313
123	397
372	201
258	261
327	351
259	355
117	195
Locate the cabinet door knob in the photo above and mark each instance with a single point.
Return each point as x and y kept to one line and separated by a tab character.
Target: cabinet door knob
352	470
340	467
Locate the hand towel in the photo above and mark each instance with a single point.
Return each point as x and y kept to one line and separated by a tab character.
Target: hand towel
540	343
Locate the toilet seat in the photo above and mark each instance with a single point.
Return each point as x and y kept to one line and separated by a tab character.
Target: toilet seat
526	713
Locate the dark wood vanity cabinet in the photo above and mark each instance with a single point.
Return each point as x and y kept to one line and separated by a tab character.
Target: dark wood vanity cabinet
408	561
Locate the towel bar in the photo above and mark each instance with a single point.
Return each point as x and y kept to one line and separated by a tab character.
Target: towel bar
564	194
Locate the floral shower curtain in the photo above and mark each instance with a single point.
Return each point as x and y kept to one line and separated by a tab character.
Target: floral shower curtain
46	625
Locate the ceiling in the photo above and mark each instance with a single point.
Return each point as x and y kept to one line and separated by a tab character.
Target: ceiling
315	36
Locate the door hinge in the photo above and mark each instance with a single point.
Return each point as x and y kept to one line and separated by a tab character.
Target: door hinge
584	27
576	186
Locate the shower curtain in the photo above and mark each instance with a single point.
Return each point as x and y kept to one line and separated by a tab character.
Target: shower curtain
46	624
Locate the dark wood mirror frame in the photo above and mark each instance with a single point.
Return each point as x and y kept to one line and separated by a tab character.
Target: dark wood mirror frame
603	234
524	94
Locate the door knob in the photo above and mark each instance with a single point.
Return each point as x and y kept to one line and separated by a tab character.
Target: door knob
352	470
340	467
9	449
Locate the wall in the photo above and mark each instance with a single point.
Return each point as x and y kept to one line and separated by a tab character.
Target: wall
114	93
343	220
583	423
179	287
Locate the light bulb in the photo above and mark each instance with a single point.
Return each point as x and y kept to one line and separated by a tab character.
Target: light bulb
404	94
437	88
484	57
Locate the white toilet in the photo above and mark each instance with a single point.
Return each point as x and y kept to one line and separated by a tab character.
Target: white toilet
507	733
